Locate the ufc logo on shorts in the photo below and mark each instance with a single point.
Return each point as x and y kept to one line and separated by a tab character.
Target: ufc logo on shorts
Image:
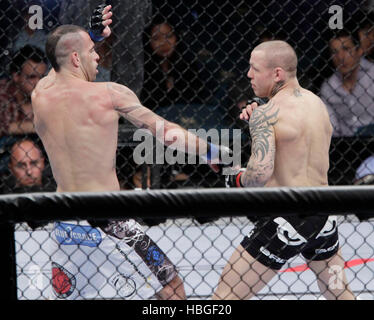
288	234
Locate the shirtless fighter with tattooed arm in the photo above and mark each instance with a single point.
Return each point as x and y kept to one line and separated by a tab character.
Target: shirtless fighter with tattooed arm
77	121
291	137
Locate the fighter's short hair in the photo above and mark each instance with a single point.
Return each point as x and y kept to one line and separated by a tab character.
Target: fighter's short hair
53	40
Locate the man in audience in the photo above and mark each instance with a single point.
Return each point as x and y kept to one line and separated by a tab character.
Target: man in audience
26	163
28	66
349	92
366	34
27	172
27	169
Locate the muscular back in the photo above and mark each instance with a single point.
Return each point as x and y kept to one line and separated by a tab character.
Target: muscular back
302	136
77	122
78	127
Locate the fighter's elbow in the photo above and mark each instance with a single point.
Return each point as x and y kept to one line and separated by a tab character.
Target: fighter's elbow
169	126
266	175
256	182
264	179
257	175
172	132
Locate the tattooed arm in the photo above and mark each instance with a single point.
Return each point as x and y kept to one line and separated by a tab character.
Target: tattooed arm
127	104
261	163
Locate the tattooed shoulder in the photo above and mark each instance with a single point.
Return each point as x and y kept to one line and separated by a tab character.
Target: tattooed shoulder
264	115
261	128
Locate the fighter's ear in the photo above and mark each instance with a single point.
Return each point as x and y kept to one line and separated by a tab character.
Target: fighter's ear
278	74
75	60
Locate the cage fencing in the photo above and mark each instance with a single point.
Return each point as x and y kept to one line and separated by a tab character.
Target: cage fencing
188	62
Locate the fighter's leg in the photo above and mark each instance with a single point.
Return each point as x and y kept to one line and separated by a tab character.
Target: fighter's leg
331	278
146	257
270	244
174	290
242	277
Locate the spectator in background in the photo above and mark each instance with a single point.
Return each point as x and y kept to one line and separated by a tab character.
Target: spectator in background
28	66
26	164
16	32
349	92
171	72
365	172
29	35
366	34
27	172
27	168
133	16
176	87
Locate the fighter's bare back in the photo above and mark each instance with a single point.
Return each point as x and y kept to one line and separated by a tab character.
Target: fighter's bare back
78	126
77	121
303	134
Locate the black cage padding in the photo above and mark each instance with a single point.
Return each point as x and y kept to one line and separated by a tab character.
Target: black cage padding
218	202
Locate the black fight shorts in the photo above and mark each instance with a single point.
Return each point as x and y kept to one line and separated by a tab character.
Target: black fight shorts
273	241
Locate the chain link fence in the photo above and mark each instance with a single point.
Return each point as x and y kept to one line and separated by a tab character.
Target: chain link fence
199	253
187	61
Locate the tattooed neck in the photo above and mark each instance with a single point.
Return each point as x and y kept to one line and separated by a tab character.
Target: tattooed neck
278	86
297	92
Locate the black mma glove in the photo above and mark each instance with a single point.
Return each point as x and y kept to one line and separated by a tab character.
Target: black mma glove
96	24
233	180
